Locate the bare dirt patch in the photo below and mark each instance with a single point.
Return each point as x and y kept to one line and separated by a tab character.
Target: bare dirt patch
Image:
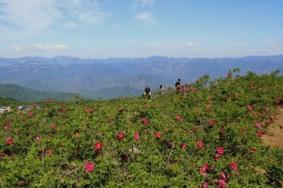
274	136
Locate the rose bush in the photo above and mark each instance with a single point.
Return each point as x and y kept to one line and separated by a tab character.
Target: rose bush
207	136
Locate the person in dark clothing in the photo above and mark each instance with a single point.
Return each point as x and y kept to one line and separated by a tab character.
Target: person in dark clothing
147	93
178	84
161	89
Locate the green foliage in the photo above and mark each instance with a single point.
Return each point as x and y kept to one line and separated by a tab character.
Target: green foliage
52	143
28	95
7	101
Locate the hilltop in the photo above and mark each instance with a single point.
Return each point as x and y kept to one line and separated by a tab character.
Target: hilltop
7	101
23	94
209	134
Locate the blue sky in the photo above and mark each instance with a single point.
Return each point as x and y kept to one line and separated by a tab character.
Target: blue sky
141	28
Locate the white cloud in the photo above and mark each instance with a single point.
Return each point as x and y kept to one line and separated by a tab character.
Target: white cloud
49	47
28	15
240	44
36	16
15	47
146	17
192	44
81	12
41	47
141	49
146	2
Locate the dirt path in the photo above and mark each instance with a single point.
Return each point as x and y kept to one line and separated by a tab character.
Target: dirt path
274	136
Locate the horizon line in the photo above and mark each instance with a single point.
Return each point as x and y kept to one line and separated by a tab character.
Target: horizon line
145	57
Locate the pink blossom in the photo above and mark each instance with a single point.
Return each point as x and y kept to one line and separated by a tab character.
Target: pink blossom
30	114
234	166
145	121
9	140
136	136
222	176
157	135
221	183
178	118
217	157
204	185
98	146
258	125
203	169
183	146
120	136
220	150
211	122
200	144
89	167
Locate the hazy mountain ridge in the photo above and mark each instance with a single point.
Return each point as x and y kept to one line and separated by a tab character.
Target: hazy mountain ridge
19	93
7	101
94	78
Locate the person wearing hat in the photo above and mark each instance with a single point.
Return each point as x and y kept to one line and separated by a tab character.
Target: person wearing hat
147	93
178	84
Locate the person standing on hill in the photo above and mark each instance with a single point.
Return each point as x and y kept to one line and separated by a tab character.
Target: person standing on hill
178	84
147	93
161	89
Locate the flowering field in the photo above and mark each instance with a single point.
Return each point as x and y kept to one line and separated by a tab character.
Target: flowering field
208	135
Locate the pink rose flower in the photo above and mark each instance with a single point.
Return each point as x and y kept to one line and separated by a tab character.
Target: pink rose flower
157	135
120	136
9	140
220	150
221	183
89	167
145	121
204	185
234	166
178	118
98	146
203	169
200	144
183	146
211	122
136	136
257	125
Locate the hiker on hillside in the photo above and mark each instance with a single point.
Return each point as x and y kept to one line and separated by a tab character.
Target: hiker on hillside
147	93
161	89
178	84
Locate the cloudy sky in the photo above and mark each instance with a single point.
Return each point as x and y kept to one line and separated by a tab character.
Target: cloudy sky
140	28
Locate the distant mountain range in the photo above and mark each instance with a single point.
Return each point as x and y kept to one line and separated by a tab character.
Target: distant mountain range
109	78
12	91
